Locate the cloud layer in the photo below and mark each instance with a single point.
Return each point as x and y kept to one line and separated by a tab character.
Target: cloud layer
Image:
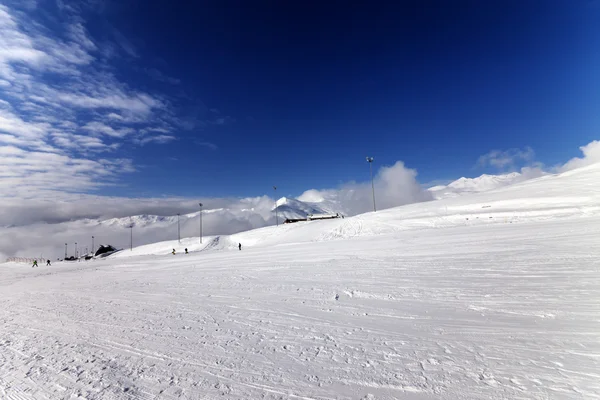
42	225
64	115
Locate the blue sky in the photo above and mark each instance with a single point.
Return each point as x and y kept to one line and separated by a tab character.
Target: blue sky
222	98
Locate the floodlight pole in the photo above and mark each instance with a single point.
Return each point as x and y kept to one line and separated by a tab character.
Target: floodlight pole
65	251
92	244
370	161
75	249
178	230
200	204
276	216
131	237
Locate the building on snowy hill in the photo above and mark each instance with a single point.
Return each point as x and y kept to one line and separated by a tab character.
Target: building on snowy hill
315	217
292	220
104	250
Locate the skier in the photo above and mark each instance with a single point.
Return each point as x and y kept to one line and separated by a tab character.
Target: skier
186	252
173	252
34	264
48	263
240	246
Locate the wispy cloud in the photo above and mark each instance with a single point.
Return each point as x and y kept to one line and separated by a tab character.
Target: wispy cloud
161	77
61	106
125	43
53	172
222	120
211	146
506	159
100	128
82	143
160	139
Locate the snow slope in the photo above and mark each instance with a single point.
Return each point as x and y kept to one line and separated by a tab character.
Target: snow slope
572	194
415	302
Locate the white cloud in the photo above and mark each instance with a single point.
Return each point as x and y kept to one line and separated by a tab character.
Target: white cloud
394	186
79	34
591	155
115	116
100	128
138	103
509	159
159	139
82	143
506	159
61	106
15	125
156	129
15	46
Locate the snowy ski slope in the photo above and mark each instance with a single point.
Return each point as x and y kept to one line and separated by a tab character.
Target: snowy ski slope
488	296
571	194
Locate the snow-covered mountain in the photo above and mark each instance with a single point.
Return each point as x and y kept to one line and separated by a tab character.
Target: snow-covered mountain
294	208
480	184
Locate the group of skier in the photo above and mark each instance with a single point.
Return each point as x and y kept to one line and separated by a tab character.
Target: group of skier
35	264
186	250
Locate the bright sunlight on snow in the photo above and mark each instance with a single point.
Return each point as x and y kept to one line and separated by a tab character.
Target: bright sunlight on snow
494	295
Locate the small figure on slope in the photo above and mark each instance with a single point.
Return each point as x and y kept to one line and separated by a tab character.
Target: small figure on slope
240	246
173	252
34	264
48	263
186	252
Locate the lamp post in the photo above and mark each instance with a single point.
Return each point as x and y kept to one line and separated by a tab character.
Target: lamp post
131	237
75	249
92	244
178	230
65	251
200	204
370	161
276	217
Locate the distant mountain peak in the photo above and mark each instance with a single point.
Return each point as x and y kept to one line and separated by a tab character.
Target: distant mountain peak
479	184
281	201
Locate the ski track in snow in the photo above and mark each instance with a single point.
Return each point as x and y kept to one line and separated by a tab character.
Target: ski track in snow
507	311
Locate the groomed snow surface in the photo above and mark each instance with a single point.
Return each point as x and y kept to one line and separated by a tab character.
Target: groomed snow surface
489	296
